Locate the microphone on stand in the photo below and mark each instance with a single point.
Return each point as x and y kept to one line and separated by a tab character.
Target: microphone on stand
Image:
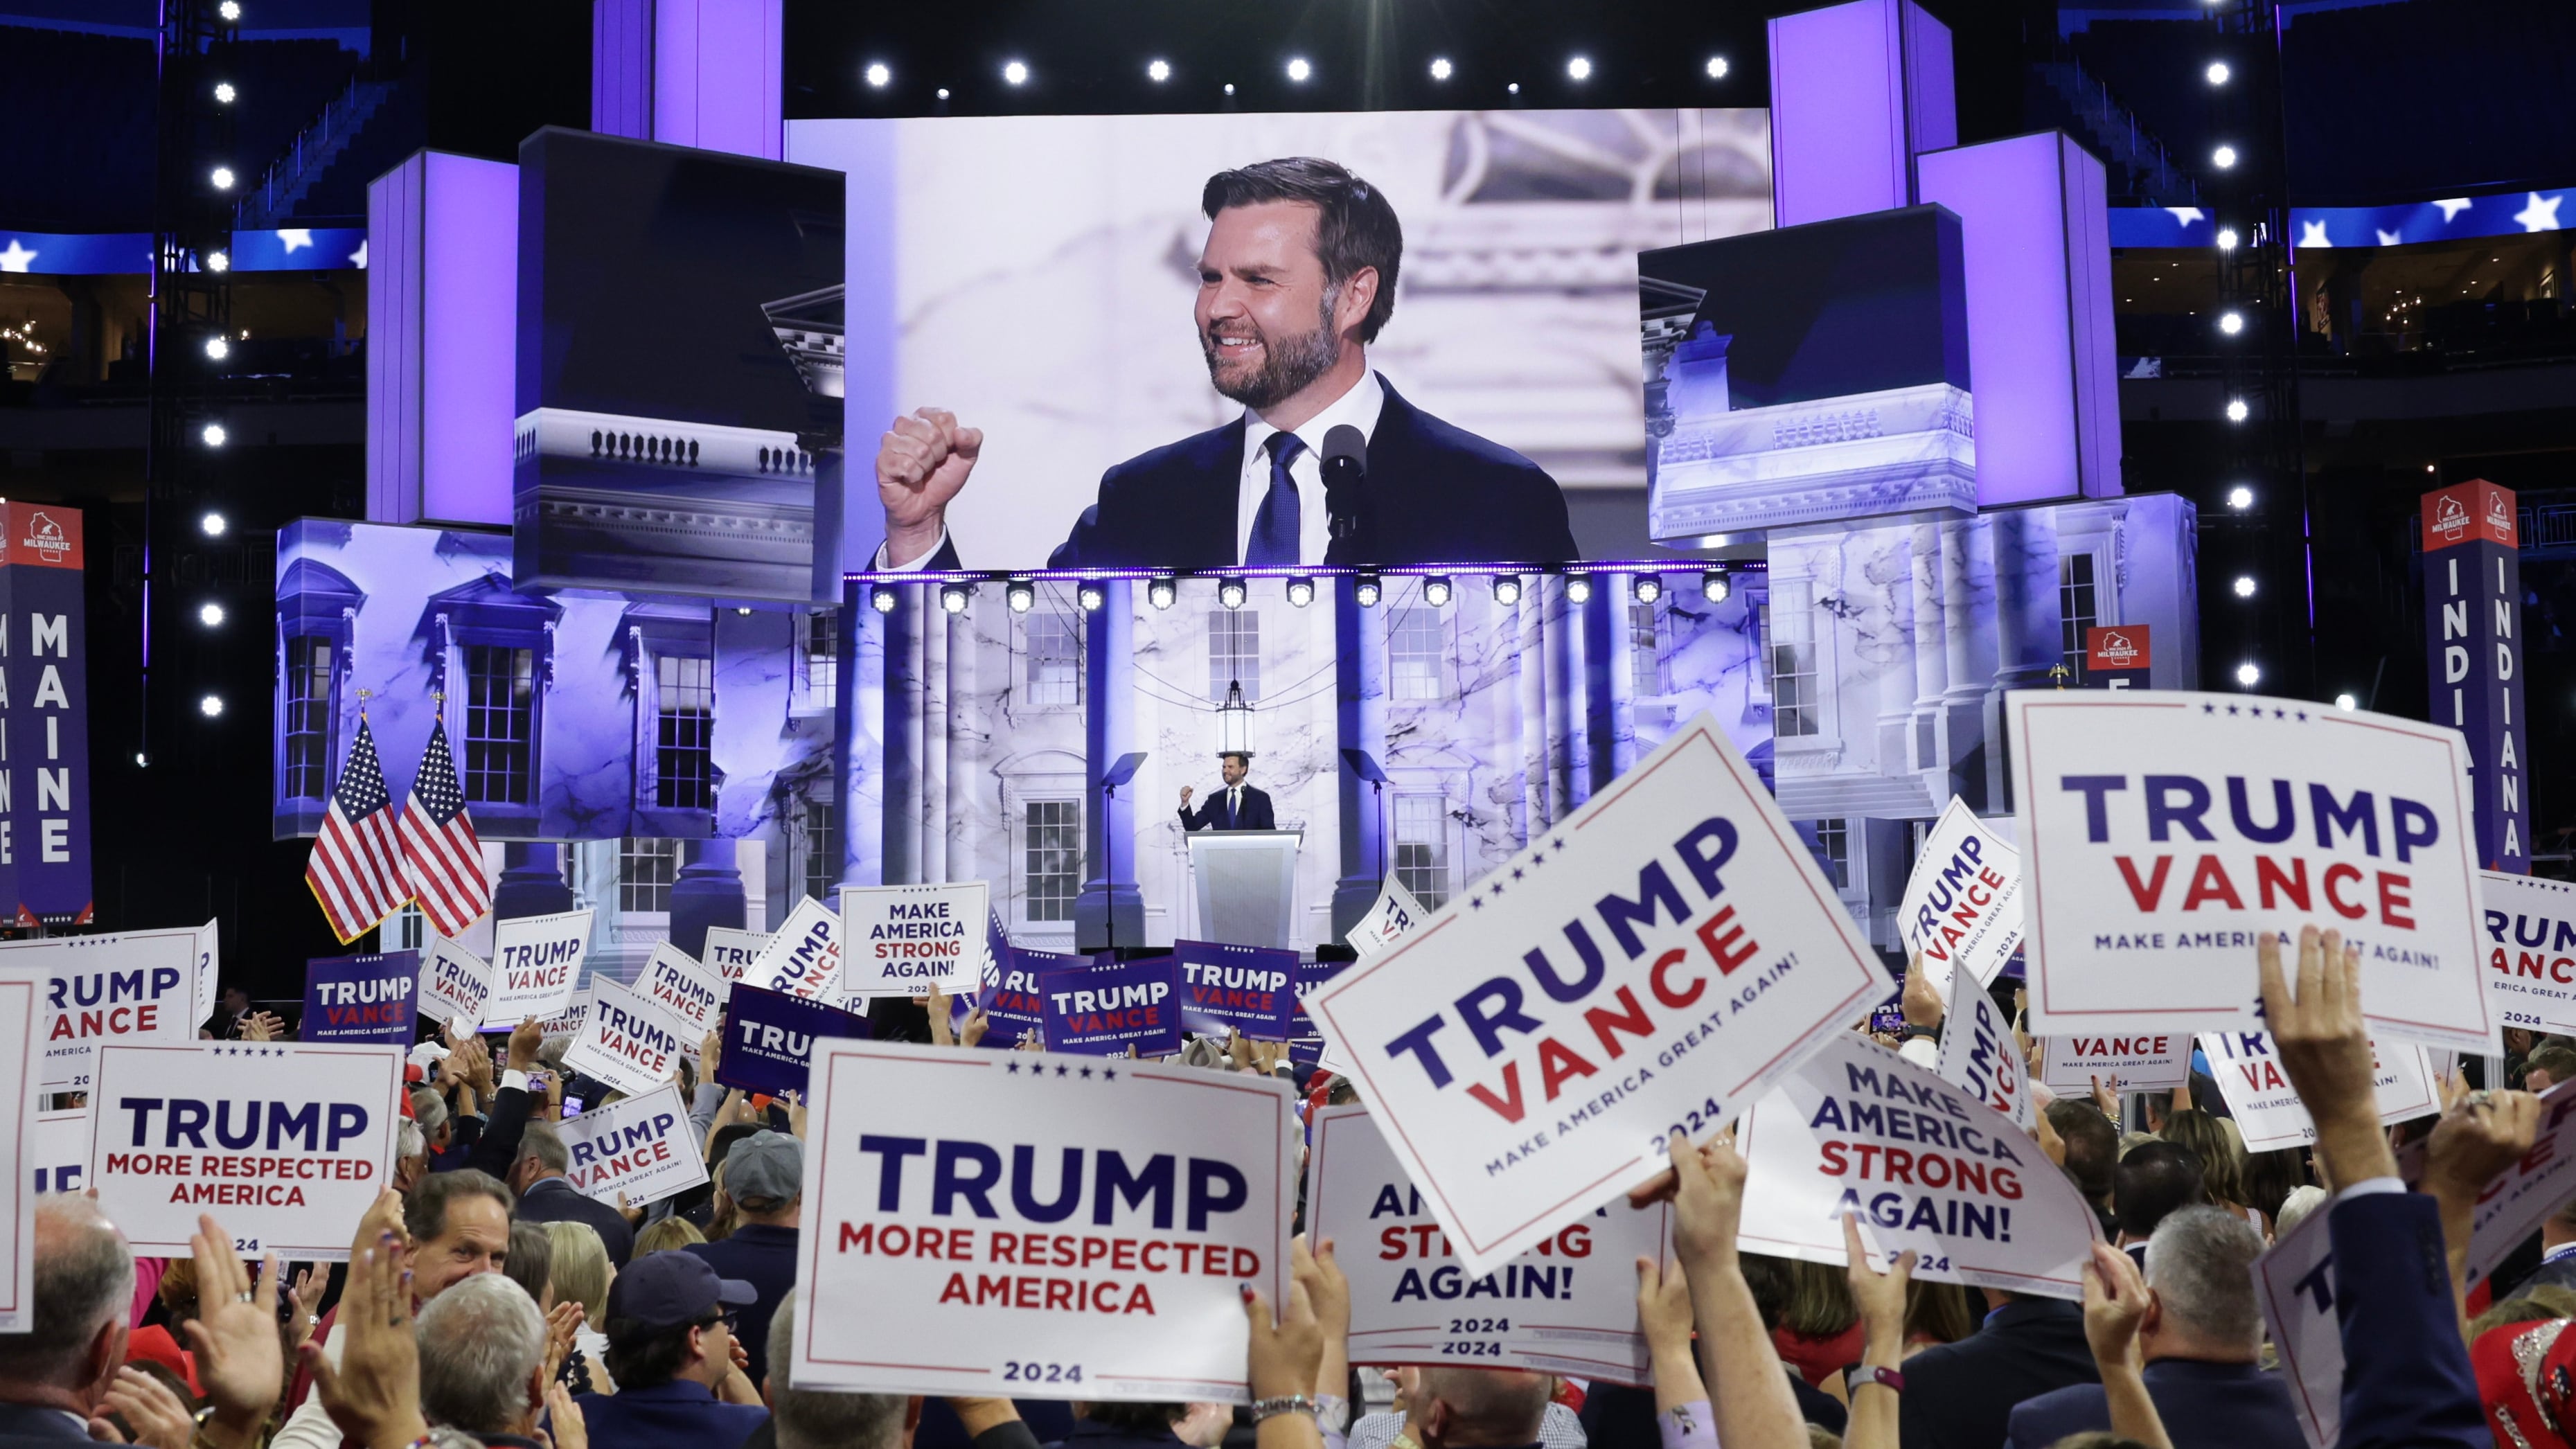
1345	469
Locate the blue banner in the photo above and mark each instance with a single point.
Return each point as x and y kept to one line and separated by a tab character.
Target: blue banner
2456	218
1103	1010
1305	1043
371	998
1246	989
769	1038
78	254
2473	656
44	717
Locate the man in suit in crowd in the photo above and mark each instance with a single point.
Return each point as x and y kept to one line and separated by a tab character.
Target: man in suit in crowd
1297	277
2202	1342
1236	807
546	1193
1961	1395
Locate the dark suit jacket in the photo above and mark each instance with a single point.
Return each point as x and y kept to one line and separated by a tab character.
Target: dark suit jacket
498	1147
1436	493
1961	1395
556	1200
2406	1375
1254	816
29	1426
2203	1405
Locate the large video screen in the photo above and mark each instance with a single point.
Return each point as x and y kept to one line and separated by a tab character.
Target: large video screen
1055	357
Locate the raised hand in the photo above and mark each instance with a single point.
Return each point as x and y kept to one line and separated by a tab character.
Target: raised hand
710	1051
1186	793
1921	1000
235	1331
921	463
373	1395
569	1432
2325	1049
158	1417
525	1039
561	1324
972	1029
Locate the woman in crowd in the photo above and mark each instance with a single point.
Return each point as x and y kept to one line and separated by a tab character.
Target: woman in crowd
581	1274
2222	1163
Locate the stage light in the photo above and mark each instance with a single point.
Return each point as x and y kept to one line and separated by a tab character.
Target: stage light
2240	497
1301	591
1507	588
2346	702
218	349
2227	238
2223	157
142	761
1161	592
230	10
2244	586
878	74
2249	674
1514	88
1158	71
210	614
1298	69
1578	589
2217	72
211	706
1366	591
224	93
1435	591
1229	88
1713	586
1441	70
881	598
222	176
1016	73
1647	588
954	597
212	525
1230	592
1579	68
1716	67
2231	323
1022	596
943	93
1091	597
219	262
2236	410
214	435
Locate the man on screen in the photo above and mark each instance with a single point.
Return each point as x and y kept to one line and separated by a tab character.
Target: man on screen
1236	807
1297	277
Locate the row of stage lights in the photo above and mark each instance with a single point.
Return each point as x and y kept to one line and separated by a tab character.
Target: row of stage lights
1298	69
1367	590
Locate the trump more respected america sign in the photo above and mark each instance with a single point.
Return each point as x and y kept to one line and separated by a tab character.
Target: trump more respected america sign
2164	832
1650	963
1036	1224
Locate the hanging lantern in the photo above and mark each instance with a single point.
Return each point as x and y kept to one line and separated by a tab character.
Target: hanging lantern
1234	722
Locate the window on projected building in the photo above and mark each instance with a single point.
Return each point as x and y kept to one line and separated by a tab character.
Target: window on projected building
1789	646
1422	847
500	723
1234	653
1413	655
645	870
1051	871
2079	607
684	773
820	843
1054	660
308	717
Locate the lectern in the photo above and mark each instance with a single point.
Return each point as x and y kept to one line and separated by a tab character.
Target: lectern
1247	885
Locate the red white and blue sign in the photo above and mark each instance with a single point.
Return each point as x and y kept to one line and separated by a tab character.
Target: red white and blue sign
769	1038
370	998
1106	1009
1248	990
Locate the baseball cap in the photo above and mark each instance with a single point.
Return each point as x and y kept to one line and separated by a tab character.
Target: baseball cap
666	1290
765	1167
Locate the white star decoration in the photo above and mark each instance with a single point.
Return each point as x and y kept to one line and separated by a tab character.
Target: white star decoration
2452	207
358	258
2539	215
2386	238
2313	234
2184	215
16	258
296	238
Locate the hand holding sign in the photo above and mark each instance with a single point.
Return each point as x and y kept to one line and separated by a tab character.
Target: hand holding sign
2326	1051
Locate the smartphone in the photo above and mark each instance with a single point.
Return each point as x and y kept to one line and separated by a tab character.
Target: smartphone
572	1106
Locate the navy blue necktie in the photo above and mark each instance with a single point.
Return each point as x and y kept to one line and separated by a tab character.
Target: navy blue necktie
1274	528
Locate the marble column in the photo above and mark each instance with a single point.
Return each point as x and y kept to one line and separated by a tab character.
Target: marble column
1967	616
532	881
707	893
1558	625
2028	640
858	734
1359	723
1529	652
1891	578
1931	664
1609	689
938	637
905	728
1110	904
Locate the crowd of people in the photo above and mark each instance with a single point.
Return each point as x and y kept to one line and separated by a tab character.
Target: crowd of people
486	1300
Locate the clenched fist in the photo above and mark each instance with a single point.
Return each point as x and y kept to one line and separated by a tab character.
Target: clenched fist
1186	793
921	463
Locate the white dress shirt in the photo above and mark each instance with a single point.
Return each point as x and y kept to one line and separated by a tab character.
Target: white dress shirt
1358	407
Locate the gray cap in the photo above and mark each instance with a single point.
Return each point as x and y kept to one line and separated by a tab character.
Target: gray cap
765	1167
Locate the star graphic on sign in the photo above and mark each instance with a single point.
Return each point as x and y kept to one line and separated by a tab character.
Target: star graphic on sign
1064	1071
1498	890
1107	1075
2452	207
1086	1074
1011	1069
2209	709
1475	903
1556	845
2386	238
1538	857
295	238
2313	234
358	258
1517	872
2539	215
2303	716
2184	215
2231	709
2280	714
16	257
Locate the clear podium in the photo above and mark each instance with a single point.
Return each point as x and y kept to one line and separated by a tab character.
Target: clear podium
1247	885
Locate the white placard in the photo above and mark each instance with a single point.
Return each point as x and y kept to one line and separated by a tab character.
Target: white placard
683	988
626	1041
803	957
2296	1281
536	965
23	986
729	953
1979	1056
2523	1196
128	986
455	984
2530	940
1655	960
1569	1307
1390	917
61	1150
2267	1109
982	1222
641	1148
902	940
2163	832
286	1145
2138	1061
567	1022
1859	1129
1962	905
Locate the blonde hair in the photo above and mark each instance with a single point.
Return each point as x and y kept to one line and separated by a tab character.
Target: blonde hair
667	1234
580	1271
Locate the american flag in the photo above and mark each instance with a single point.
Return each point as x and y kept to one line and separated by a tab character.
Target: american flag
355	872
442	861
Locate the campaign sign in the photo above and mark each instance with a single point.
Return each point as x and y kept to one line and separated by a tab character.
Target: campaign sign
302	1134
1859	1129
2296	1282
803	957
2513	1206
362	998
729	953
1979	1056
1962	906
1394	913
2530	940
2267	1109
22	1014
769	1036
1569	1306
455	984
1655	960
902	940
567	1022
536	964
628	1042
1105	1009
676	984
61	1150
2142	1061
992	1223
2164	832
129	986
1009	995
640	1149
1248	990
1307	1051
